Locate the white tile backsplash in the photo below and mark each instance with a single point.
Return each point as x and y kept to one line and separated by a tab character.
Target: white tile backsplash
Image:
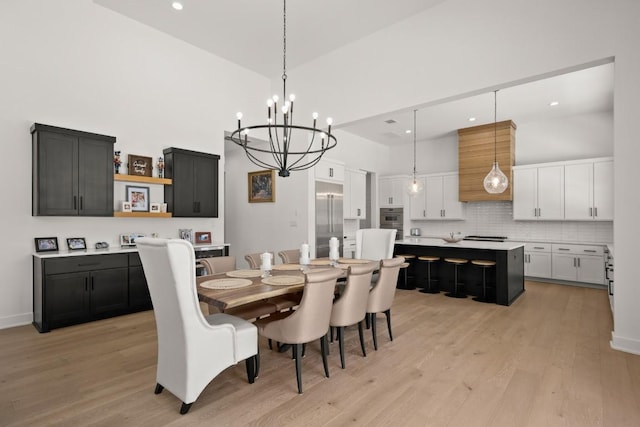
496	219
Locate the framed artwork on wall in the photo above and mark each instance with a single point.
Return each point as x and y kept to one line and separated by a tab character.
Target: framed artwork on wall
138	196
262	186
140	165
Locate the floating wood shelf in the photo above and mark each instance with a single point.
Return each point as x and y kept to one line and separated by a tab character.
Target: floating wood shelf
145	179
142	214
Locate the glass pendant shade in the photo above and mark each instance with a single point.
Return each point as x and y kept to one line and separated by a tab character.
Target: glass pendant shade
496	181
414	187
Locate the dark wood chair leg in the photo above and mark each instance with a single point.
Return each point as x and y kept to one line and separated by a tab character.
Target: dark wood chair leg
158	389
323	347
341	344
252	367
297	351
185	408
304	349
361	334
373	331
388	314
270	344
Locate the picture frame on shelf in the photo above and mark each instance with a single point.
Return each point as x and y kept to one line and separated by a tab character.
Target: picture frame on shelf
76	243
46	244
203	237
186	234
126	206
140	165
129	239
155	207
138	196
262	186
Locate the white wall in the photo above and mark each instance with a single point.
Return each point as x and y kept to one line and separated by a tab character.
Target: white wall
461	47
77	65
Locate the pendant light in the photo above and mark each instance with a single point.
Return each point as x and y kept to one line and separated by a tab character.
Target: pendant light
496	181
414	186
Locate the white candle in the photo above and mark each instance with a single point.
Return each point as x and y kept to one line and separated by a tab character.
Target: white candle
266	261
334	248
304	254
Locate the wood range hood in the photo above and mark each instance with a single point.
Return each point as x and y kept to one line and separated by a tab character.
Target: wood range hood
475	159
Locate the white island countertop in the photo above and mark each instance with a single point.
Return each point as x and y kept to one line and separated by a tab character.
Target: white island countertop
463	244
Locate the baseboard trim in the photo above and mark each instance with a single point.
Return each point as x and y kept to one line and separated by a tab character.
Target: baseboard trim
624	344
16	320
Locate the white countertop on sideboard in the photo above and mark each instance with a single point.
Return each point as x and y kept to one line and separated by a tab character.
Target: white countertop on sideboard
115	250
468	244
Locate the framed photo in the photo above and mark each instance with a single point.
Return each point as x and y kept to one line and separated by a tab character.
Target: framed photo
129	239
186	234
140	165
126	206
76	243
138	196
262	186
155	207
46	244
203	237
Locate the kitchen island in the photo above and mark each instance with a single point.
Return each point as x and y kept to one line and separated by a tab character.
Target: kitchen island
507	277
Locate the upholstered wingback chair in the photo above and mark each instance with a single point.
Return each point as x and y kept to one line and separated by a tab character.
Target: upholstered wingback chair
192	349
382	294
291	256
375	243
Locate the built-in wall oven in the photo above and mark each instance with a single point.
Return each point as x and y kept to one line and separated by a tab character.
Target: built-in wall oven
392	218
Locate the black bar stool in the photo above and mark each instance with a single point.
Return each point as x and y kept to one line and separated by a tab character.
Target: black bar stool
456	263
484	264
430	288
406	280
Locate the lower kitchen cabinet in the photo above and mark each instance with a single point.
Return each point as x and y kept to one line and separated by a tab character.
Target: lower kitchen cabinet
537	260
76	289
578	263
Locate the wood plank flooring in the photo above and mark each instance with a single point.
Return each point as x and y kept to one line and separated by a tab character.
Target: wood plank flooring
544	361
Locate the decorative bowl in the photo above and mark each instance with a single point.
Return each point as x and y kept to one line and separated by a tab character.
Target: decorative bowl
452	239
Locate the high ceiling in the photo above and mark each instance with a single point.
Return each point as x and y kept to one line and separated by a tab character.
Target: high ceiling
249	33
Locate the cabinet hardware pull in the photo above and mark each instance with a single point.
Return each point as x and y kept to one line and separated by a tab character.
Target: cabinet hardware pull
86	286
578	262
390	200
331	172
85	264
590	211
564	249
574	262
538	247
424	213
75	202
81	204
358	211
590	250
595	211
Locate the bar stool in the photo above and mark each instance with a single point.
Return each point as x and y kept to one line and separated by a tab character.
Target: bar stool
456	263
429	289
408	272
484	264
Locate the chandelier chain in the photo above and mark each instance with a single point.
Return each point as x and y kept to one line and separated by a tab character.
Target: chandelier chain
495	125
414	143
284	47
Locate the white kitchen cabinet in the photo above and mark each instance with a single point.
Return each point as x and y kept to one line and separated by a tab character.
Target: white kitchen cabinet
391	190
329	170
538	192
581	263
438	200
589	190
537	260
355	194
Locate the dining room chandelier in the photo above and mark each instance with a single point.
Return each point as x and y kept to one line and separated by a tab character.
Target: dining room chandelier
496	181
414	186
289	147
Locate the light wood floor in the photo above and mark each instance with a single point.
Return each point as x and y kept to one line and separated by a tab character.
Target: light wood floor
544	361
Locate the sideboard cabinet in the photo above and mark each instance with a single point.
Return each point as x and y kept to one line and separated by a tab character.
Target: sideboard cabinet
194	188
72	172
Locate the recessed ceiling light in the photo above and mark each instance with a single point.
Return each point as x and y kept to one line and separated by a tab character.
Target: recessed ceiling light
472	119
407	131
554	103
177	5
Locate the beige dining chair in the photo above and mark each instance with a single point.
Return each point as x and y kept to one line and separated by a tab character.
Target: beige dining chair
282	303
192	348
375	243
381	296
290	256
309	322
351	306
254	310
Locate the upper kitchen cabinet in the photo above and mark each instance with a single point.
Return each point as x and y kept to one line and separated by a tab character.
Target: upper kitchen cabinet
589	190
329	170
72	172
538	192
194	189
391	190
439	200
355	194
476	156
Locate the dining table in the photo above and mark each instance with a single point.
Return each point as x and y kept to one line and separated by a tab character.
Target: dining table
239	287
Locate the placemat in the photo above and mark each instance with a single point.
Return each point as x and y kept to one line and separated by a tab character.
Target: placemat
244	273
283	280
286	267
225	283
353	261
320	261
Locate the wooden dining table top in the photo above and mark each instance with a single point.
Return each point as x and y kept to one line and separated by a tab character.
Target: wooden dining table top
257	290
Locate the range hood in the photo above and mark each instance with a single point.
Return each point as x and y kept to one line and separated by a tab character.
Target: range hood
475	159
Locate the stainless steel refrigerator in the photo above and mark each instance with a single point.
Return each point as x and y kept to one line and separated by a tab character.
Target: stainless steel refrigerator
328	216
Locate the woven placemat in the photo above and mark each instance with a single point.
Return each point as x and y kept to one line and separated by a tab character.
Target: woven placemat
244	273
225	283
320	261
353	261
283	280
286	267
